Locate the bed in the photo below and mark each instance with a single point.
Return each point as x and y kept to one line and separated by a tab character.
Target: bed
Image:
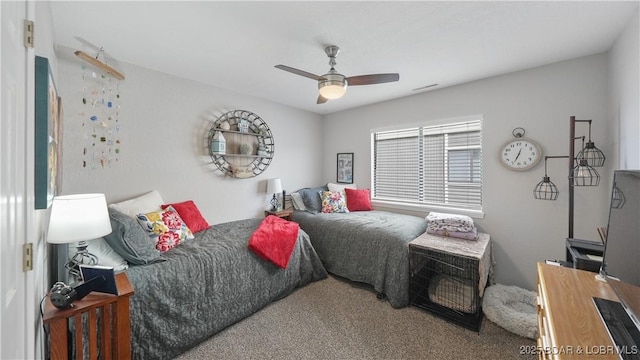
208	283
366	246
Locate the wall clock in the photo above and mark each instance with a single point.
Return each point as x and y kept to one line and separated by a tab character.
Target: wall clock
520	154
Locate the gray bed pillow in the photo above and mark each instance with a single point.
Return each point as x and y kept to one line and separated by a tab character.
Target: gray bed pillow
129	240
311	198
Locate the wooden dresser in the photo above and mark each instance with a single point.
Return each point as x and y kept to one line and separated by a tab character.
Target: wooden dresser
569	323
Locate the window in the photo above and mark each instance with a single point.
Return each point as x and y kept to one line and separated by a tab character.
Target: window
430	166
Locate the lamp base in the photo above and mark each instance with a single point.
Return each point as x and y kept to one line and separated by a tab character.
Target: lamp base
82	256
275	204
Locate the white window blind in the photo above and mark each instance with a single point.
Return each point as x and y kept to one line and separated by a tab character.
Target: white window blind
431	165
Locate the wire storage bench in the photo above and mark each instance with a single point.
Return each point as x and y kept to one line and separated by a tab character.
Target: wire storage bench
448	276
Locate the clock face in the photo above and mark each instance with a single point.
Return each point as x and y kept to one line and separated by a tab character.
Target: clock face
520	154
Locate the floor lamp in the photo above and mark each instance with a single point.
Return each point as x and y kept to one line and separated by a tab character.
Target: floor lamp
582	171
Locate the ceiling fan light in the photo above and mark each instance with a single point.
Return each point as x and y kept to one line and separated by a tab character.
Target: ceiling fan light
332	89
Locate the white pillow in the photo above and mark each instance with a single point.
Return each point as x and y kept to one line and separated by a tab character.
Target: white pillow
340	187
105	254
296	200
146	203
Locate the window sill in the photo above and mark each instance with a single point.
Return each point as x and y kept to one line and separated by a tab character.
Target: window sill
383	204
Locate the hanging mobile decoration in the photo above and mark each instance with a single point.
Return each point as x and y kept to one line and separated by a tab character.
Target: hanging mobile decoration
100	64
100	119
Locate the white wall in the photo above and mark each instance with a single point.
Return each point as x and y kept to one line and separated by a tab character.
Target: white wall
541	100
164	125
165	117
624	105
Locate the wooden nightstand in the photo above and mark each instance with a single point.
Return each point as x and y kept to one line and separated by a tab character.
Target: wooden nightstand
285	214
113	337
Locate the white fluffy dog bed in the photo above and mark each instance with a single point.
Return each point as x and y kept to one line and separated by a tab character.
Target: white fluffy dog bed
512	308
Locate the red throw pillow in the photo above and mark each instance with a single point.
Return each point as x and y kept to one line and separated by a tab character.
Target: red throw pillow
358	199
274	240
190	214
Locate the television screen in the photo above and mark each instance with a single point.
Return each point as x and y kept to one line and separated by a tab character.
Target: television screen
621	259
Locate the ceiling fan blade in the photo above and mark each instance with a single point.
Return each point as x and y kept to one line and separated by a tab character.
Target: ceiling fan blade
372	79
298	72
321	100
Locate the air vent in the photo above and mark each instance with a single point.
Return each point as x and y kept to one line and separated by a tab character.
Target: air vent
424	87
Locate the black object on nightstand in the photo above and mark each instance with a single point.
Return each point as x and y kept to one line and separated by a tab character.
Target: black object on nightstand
585	254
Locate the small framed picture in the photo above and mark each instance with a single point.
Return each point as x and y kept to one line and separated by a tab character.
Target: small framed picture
107	285
345	168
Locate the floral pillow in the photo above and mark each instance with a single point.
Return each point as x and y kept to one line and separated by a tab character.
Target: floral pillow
166	228
333	202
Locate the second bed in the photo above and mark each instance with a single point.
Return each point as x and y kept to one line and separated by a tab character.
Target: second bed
366	246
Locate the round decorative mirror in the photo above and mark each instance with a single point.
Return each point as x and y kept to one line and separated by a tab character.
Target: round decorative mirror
241	144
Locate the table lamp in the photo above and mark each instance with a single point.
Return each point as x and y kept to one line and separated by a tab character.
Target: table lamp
274	186
77	218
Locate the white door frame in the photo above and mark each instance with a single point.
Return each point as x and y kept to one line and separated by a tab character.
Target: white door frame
18	316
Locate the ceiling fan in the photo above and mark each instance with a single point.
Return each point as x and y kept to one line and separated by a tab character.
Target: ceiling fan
333	85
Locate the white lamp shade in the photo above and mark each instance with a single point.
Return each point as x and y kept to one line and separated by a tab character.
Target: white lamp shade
333	90
78	217
274	186
332	85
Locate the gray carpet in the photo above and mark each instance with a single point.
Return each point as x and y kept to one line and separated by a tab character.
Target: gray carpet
339	319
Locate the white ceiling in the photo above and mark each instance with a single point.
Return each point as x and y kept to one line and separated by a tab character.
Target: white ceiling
235	45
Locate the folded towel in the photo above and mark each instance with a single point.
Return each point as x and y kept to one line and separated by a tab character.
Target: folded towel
450	222
466	235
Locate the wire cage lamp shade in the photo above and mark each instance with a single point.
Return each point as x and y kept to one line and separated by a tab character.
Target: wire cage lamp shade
546	190
584	175
594	156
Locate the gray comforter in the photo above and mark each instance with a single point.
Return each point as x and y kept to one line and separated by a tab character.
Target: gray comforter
366	246
207	284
